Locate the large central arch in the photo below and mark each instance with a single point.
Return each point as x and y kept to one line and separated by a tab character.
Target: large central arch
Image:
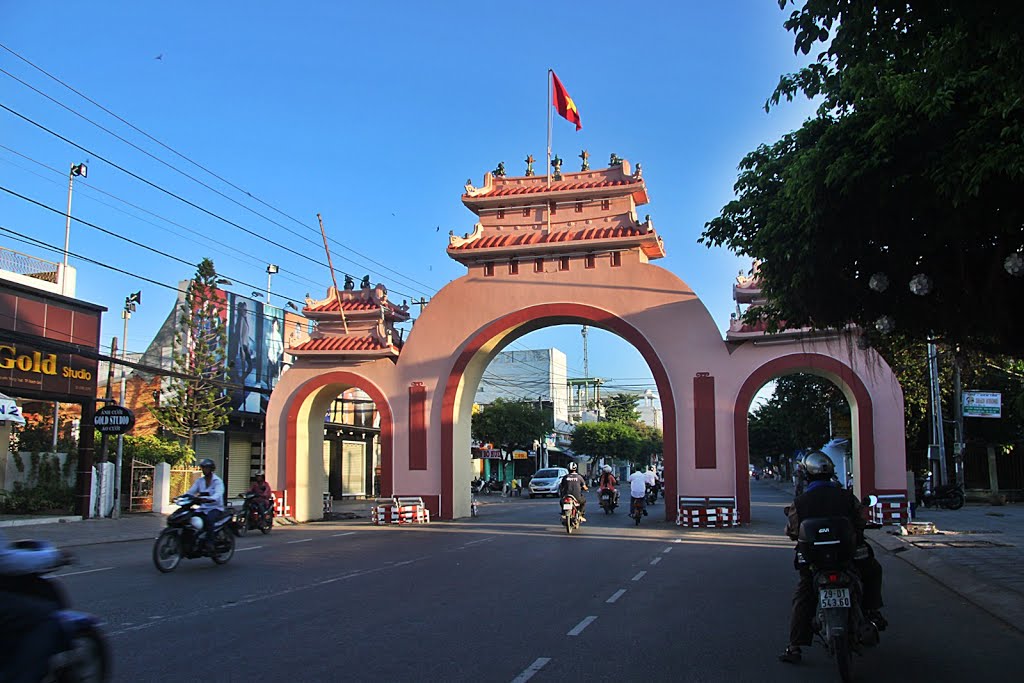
543	315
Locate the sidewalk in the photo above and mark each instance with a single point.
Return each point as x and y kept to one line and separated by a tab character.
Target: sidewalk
975	552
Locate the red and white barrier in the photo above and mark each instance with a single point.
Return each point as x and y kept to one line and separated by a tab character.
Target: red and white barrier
707	512
890	510
400	510
281	506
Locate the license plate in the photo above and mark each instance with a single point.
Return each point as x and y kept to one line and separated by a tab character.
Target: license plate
833	597
567	506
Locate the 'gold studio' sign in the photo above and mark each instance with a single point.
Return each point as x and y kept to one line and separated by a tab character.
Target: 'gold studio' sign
26	367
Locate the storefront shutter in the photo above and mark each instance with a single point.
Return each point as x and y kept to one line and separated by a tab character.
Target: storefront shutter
353	467
239	458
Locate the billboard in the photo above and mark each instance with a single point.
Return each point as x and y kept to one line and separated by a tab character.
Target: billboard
255	351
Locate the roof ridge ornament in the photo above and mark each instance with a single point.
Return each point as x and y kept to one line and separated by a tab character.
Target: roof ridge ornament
478	231
529	164
585	155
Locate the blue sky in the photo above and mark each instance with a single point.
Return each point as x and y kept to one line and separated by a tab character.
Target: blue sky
374	115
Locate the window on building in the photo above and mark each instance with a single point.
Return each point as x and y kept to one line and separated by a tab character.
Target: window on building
553	208
513	267
589	262
563	263
616	259
501	213
606	204
579	207
526	213
538	265
488	269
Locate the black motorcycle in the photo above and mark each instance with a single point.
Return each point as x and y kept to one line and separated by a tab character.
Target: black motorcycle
182	537
609	501
949	496
652	494
827	545
84	654
250	516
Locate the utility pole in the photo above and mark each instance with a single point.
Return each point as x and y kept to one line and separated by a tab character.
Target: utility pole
103	447
937	448
129	307
959	442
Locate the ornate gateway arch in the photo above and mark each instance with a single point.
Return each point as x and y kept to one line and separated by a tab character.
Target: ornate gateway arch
541	254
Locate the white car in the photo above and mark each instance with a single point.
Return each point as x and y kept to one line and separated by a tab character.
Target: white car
547	481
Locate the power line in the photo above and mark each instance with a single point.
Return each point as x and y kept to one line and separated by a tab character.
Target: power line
182	199
186	158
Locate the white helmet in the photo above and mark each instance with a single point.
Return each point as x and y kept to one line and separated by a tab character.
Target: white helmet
607	468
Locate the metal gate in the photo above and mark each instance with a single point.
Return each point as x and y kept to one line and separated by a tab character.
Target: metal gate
182	480
141	499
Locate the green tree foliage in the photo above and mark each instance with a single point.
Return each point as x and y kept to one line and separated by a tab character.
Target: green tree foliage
621	408
796	416
198	405
511	424
154	450
913	165
612	440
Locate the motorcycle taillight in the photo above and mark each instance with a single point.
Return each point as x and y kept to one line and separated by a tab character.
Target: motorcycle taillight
832	577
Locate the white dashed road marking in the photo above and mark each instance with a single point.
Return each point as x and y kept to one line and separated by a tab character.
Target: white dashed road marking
347	533
639	575
301	540
616	595
666	550
529	671
656	560
84	571
578	629
252	547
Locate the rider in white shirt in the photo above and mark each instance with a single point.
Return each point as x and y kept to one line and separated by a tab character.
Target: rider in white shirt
638	487
209	491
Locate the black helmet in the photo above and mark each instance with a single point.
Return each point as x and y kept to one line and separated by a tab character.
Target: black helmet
206	462
573	467
819	465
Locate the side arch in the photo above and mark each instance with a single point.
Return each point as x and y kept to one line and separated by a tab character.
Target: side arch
861	409
555	314
299	401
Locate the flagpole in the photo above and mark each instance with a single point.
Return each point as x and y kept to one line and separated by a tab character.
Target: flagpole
547	166
337	294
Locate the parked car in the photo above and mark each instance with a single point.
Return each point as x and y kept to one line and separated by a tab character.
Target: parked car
546	481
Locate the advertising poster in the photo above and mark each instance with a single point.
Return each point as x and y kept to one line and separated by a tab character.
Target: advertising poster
245	353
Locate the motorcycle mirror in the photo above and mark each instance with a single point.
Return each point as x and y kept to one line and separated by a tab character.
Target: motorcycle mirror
871	500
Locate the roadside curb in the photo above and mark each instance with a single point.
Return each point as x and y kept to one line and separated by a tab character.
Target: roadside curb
28	521
1008	606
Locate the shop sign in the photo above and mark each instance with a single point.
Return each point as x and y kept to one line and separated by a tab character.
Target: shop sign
113	420
983	404
23	366
520	455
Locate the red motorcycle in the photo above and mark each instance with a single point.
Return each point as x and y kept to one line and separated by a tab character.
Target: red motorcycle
253	515
570	514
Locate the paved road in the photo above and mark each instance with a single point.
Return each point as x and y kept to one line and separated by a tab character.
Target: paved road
504	597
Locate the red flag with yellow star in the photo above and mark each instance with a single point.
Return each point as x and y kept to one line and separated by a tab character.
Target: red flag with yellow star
563	103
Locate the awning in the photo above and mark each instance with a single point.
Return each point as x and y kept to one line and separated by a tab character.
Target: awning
9	411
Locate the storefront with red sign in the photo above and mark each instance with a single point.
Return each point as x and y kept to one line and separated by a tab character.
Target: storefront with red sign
49	346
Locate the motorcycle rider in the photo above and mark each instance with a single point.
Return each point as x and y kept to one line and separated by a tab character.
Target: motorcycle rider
825	497
607	482
209	491
262	493
29	629
651	479
638	488
573	484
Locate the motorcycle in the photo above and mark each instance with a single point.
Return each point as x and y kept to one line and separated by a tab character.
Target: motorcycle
636	510
570	514
84	654
609	501
249	516
182	537
652	495
827	546
949	496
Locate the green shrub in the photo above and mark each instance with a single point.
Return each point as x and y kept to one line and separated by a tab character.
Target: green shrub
49	497
154	450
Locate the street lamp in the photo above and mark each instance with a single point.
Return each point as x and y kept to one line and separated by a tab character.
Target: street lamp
76	170
130	303
271	272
